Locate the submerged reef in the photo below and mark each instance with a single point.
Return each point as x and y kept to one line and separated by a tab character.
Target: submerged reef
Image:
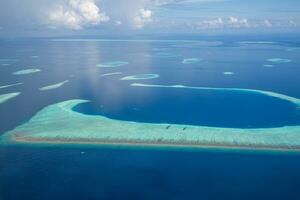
26	71
113	64
191	60
279	60
49	126
5	97
268	66
54	86
164	55
11	85
257	42
197	44
140	77
7	61
228	73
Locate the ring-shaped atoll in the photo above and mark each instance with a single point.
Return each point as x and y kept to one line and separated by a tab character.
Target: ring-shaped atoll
113	64
49	126
140	77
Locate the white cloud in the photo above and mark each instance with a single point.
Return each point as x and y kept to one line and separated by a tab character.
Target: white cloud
77	14
144	16
118	22
214	23
267	23
238	23
230	22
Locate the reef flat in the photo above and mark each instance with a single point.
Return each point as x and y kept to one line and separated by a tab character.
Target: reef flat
49	126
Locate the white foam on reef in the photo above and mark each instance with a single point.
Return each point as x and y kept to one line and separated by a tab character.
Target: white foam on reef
26	71
268	65
60	124
228	73
140	77
113	64
279	60
11	85
54	86
110	74
191	60
5	97
268	93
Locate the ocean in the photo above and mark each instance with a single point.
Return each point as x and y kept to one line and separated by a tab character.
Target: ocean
104	71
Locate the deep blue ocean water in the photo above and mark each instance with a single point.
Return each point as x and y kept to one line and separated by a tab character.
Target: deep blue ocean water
82	172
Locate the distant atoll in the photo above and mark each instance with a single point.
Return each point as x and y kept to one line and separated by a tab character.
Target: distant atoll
54	86
140	77
5	97
113	64
10	85
279	60
191	60
26	71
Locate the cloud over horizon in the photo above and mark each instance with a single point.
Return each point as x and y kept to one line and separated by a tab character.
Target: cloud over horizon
77	14
146	15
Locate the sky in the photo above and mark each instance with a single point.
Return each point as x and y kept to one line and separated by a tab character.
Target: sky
48	17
